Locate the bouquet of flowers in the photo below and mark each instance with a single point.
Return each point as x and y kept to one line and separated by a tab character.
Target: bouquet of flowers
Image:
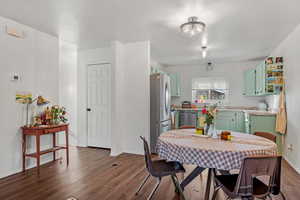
58	114
51	116
210	114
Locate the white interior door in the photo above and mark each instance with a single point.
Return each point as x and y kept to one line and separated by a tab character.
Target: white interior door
99	104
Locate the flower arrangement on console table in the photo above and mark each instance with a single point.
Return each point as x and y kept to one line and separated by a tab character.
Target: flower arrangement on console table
210	114
51	116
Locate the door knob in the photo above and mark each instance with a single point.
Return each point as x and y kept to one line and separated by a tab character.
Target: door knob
88	109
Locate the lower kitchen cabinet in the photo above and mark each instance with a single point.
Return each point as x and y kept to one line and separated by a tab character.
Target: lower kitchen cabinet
264	123
236	121
225	120
240	121
230	120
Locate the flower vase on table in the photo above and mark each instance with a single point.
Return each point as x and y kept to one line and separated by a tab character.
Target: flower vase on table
209	119
206	129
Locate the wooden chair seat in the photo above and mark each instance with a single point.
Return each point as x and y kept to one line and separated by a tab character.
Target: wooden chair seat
266	135
187	127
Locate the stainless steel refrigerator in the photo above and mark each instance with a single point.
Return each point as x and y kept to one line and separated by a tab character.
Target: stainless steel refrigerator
160	107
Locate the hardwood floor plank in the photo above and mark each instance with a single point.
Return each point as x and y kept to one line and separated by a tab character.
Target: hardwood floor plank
93	175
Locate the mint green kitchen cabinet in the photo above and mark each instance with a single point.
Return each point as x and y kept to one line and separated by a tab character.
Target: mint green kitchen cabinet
260	79
174	81
266	79
230	120
250	82
154	70
175	84
264	123
239	121
225	120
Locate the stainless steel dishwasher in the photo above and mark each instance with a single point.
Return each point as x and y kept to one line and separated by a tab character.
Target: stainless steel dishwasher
187	118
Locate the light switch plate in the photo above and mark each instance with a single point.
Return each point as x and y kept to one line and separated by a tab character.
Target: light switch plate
15	77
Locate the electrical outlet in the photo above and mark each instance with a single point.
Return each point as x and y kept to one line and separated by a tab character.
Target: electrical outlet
290	147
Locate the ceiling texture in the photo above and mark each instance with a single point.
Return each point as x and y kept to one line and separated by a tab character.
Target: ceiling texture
237	30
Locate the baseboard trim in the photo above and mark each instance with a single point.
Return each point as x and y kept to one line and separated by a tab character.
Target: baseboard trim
292	165
31	166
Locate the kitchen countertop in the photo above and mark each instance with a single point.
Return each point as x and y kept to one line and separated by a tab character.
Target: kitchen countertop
247	110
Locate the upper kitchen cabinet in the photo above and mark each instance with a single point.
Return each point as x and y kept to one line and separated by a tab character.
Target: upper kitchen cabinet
274	75
249	82
155	70
260	79
175	84
265	79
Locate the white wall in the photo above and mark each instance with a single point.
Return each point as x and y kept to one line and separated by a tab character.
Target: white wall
35	59
68	87
136	100
289	49
130	93
118	79
232	72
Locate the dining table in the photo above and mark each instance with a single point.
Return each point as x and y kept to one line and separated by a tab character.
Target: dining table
205	152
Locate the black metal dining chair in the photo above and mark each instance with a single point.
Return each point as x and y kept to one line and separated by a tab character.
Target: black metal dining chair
160	169
246	184
276	189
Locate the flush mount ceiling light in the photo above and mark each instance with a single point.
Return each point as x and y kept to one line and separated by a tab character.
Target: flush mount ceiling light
192	27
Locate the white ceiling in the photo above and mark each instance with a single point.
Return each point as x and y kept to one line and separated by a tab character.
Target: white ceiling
236	29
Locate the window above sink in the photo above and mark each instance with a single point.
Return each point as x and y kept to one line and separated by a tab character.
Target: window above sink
210	90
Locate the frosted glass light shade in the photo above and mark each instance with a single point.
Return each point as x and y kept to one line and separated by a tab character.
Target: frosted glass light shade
192	27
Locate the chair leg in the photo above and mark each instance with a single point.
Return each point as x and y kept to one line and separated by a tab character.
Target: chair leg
177	186
154	190
282	195
143	183
215	193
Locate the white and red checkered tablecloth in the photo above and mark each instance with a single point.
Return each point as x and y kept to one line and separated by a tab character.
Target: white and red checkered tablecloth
186	147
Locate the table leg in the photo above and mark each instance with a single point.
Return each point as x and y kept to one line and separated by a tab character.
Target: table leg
208	184
38	155
67	145
54	145
24	152
191	176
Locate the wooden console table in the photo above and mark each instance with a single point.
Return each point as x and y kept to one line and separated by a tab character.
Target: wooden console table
38	132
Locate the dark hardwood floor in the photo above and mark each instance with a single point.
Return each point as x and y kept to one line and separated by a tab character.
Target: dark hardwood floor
94	175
